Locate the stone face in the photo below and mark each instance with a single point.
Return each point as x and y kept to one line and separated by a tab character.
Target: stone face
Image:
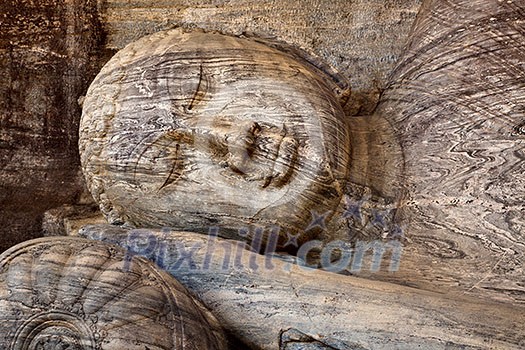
58	293
193	130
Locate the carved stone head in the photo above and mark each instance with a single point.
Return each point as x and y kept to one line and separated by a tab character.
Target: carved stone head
192	130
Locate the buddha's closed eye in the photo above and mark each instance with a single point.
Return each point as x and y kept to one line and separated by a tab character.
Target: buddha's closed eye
163	156
254	152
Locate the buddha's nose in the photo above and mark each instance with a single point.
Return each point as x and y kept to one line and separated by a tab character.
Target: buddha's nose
262	154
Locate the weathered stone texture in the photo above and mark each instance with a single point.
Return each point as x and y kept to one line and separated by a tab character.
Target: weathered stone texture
456	103
74	293
48	56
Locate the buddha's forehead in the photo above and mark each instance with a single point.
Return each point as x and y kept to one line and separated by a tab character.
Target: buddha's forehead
225	59
256	76
208	47
192	79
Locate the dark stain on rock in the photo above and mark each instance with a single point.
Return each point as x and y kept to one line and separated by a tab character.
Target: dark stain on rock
49	52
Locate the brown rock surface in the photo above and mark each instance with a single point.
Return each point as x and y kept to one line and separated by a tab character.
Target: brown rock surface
48	56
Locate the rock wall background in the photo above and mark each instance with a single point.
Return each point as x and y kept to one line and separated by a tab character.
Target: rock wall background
49	52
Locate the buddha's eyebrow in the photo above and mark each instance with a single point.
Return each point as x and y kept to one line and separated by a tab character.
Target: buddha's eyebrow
201	90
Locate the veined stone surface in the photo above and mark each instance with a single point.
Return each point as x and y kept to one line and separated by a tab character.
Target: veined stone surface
457	105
